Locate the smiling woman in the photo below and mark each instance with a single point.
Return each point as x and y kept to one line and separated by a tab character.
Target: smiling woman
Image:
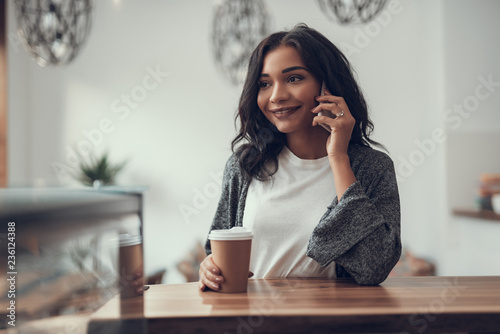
320	203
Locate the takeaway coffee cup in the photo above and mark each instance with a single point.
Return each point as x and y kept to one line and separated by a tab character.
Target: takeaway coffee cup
131	262
231	253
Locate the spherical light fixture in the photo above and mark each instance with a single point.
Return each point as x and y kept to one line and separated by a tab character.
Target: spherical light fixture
53	31
238	26
351	11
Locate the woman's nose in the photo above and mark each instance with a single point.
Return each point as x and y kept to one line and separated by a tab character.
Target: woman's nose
280	93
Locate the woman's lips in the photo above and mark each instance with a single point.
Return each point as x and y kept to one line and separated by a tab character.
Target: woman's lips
282	112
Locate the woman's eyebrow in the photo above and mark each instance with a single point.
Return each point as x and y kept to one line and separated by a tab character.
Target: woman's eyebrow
288	69
293	68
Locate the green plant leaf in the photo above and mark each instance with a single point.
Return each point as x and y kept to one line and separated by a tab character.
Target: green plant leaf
98	169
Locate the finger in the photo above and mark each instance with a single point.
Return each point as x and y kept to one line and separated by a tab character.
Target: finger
137	275
201	274
211	281
330	107
138	280
140	290
208	283
213	270
323	120
330	98
325	100
210	266
209	275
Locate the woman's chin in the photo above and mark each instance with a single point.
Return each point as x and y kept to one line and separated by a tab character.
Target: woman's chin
289	128
285	129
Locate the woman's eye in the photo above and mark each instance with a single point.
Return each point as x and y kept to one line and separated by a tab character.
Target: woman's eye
263	84
294	79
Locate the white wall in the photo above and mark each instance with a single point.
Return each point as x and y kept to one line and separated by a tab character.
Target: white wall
177	139
19	129
473	132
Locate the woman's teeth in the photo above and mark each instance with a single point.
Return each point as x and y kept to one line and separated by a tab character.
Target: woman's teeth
285	111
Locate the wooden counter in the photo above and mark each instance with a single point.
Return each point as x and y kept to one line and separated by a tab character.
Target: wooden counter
411	304
478	214
60	246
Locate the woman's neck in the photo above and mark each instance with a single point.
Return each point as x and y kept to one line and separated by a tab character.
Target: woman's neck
308	144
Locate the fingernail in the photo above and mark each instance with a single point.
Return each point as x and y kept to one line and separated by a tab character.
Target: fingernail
218	279
214	270
215	286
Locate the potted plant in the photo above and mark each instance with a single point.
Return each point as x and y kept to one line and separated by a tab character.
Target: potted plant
98	171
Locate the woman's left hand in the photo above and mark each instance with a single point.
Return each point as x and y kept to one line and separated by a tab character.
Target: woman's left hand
341	126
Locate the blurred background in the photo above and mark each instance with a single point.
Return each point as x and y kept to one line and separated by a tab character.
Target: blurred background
156	85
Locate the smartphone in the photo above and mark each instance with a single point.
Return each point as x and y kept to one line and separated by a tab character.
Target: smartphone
325	112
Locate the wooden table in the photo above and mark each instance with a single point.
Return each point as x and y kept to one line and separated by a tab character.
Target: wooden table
399	305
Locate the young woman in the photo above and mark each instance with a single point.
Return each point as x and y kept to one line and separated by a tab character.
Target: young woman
321	203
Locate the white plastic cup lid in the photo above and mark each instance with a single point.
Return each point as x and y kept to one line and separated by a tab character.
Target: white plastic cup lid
235	233
129	240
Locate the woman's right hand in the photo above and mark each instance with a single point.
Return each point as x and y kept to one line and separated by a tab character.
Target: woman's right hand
210	276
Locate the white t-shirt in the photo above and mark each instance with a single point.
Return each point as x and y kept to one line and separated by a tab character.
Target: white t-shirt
283	214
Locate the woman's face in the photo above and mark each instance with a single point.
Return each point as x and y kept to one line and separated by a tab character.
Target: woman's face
287	91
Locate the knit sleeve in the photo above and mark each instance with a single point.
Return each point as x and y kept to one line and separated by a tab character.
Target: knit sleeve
361	232
228	210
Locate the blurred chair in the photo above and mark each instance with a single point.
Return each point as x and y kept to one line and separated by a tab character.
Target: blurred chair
190	263
410	265
156	278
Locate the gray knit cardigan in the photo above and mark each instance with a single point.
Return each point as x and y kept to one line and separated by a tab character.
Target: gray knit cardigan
361	233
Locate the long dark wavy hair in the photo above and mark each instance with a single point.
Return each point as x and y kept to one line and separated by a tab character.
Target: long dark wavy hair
258	155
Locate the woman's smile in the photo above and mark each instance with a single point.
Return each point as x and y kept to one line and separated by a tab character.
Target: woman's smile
284	111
